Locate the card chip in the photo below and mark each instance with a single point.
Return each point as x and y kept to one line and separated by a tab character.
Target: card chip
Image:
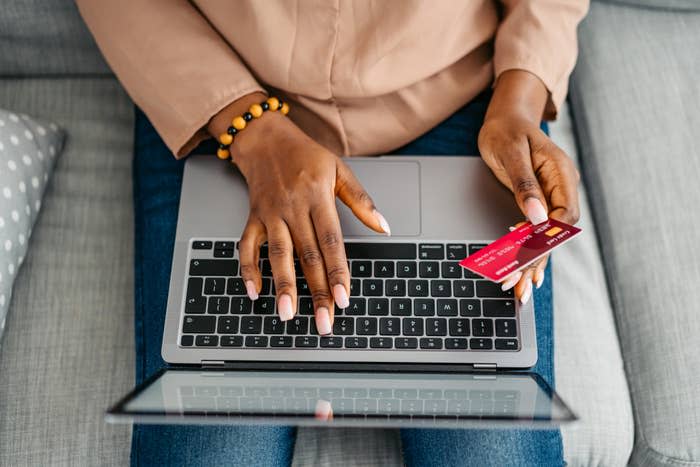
553	231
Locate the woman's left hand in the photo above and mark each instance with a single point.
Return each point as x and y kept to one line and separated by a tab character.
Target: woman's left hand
542	177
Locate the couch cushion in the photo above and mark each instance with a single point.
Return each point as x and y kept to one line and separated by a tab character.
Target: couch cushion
68	351
680	5
635	98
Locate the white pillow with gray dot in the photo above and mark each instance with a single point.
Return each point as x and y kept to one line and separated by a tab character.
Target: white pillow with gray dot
28	151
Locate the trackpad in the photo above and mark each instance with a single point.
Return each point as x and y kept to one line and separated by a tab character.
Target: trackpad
395	189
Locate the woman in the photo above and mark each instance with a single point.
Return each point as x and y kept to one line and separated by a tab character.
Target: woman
361	78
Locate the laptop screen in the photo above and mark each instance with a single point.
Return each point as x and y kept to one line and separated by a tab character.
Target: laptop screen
343	399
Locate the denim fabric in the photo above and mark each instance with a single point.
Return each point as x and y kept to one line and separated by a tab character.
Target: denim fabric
157	182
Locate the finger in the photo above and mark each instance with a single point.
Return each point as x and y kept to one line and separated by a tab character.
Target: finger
561	186
351	192
323	410
249	253
510	281
280	251
538	275
523	289
330	239
311	260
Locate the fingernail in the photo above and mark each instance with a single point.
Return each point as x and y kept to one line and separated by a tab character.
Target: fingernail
382	222
341	296
511	228
534	211
284	307
511	281
323	410
323	321
250	290
540	279
526	293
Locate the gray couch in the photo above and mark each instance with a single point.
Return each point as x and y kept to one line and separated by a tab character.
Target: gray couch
626	334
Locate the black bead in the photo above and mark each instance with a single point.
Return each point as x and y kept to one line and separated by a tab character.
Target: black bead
280	105
265	106
222	146
231	131
247	116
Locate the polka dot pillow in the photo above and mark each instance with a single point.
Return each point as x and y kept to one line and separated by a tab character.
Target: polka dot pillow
28	150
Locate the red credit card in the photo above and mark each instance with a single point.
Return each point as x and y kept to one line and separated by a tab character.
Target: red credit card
519	248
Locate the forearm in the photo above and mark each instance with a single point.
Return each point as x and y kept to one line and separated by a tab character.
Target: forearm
518	92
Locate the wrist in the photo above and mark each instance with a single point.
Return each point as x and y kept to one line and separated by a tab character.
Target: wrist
518	94
220	122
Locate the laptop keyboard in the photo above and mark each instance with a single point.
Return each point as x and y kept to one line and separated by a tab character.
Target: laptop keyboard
403	296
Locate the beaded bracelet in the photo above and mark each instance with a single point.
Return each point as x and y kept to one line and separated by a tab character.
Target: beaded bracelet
239	123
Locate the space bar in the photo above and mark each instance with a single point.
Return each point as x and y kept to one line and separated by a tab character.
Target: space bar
380	250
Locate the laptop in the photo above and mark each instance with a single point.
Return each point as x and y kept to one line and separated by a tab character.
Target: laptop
423	342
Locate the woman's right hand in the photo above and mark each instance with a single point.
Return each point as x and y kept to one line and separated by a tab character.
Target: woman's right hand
292	184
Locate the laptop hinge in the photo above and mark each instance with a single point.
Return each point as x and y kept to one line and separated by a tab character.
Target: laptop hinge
213	363
485	366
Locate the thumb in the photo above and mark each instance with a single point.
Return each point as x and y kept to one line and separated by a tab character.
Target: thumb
351	192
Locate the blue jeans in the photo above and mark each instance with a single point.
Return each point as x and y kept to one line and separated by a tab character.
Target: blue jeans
157	182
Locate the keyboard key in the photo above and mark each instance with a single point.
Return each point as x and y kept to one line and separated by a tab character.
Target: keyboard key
430	343
431	251
406	269
480	344
451	270
378	306
463	288
381	343
223	253
429	269
380	250
440	288
231	341
218	305
389	326
266	286
251	324
417	288
273	325
482	327
455	343
413	327
342	325
470	275
366	326
488	289
357	307
395	288
406	343
355	287
356	342
194	287
499	308
280	341
306	341
201	245
447	307
227	325
213	267
241	305
505	344
436	327
384	269
264	306
226	245
298	325
187	341
256	341
474	247
195	305
401	306
206	341
469	307
303	288
506	328
306	306
372	287
234	286
456	251
459	327
361	269
266	268
424	307
214	286
332	342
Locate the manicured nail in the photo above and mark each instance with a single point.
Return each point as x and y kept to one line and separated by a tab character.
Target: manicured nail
341	296
382	222
284	307
540	279
534	211
526	293
511	228
323	410
250	290
511	281
323	321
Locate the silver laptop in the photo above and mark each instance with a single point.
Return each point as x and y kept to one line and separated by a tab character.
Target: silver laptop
422	342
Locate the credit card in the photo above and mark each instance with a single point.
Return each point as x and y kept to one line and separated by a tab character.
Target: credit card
519	248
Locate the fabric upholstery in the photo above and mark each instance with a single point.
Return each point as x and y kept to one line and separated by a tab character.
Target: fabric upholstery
67	353
680	5
637	126
28	150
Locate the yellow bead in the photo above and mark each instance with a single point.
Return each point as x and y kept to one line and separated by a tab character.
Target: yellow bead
238	123
222	154
273	102
285	109
225	138
255	110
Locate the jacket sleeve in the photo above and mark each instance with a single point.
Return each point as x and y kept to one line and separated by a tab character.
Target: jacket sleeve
172	62
539	36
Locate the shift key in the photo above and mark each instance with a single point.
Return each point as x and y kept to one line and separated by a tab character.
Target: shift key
213	267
